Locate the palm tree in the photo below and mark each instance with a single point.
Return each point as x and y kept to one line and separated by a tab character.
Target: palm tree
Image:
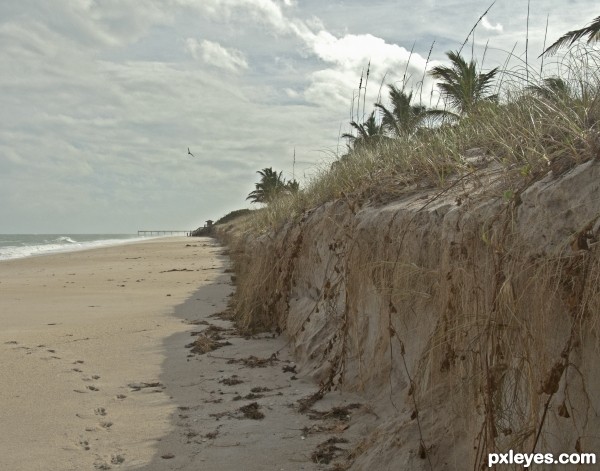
270	185
552	88
369	133
592	31
403	119
292	186
462	86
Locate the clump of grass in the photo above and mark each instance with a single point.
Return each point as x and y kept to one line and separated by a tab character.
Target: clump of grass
232	215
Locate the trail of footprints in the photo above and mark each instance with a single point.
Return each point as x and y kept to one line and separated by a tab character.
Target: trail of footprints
85	441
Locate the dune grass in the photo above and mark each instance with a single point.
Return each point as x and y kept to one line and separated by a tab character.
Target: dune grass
530	130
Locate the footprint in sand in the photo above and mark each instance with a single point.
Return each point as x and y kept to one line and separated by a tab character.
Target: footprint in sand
91	387
100	411
84	444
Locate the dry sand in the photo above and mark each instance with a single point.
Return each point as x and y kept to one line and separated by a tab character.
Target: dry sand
97	371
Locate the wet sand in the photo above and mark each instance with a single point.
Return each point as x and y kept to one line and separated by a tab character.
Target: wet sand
98	370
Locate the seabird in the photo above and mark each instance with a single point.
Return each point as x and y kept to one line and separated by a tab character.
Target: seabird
190	153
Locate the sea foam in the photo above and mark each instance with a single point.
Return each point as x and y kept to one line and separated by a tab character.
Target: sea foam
26	245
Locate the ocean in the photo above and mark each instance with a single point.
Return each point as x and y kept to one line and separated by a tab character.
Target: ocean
27	245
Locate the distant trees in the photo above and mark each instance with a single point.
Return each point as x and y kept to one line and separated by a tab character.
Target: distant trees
402	118
271	185
368	134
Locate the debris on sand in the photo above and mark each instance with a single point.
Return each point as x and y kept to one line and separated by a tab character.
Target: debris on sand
328	451
255	362
204	344
151	384
252	411
249	411
336	413
226	315
325	428
306	403
234	380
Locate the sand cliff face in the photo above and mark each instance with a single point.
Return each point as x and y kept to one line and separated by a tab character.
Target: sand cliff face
468	318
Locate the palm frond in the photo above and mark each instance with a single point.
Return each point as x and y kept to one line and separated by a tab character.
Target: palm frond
592	31
461	85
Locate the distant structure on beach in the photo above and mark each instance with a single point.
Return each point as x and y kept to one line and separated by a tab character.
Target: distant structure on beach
205	231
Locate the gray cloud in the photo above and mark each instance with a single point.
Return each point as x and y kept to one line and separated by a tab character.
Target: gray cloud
214	54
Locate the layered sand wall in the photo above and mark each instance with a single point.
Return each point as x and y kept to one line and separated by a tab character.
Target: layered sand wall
466	317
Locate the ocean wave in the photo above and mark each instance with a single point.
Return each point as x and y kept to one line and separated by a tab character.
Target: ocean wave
66	239
59	244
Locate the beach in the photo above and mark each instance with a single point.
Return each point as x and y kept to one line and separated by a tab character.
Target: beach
98	373
77	328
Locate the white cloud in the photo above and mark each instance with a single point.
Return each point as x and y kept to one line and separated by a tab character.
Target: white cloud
498	28
343	58
246	11
214	54
348	57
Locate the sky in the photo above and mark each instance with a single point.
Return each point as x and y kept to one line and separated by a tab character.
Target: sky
101	99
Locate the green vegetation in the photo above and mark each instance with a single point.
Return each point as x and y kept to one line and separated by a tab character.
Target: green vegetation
592	31
233	215
461	85
404	118
525	122
271	186
369	133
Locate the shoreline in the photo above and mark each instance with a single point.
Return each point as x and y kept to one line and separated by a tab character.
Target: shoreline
58	246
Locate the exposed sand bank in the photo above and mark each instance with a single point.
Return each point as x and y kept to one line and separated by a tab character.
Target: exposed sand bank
96	373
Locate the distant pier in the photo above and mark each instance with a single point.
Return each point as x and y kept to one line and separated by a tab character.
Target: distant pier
151	233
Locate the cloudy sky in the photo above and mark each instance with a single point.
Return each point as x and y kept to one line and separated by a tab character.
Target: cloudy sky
100	99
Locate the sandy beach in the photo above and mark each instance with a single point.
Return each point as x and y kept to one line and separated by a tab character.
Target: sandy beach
97	370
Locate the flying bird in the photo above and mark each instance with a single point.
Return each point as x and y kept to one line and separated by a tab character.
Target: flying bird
190	153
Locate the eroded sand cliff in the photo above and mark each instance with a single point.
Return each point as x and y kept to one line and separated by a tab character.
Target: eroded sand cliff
467	317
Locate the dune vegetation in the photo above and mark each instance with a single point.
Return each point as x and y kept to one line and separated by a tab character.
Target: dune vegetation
528	121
